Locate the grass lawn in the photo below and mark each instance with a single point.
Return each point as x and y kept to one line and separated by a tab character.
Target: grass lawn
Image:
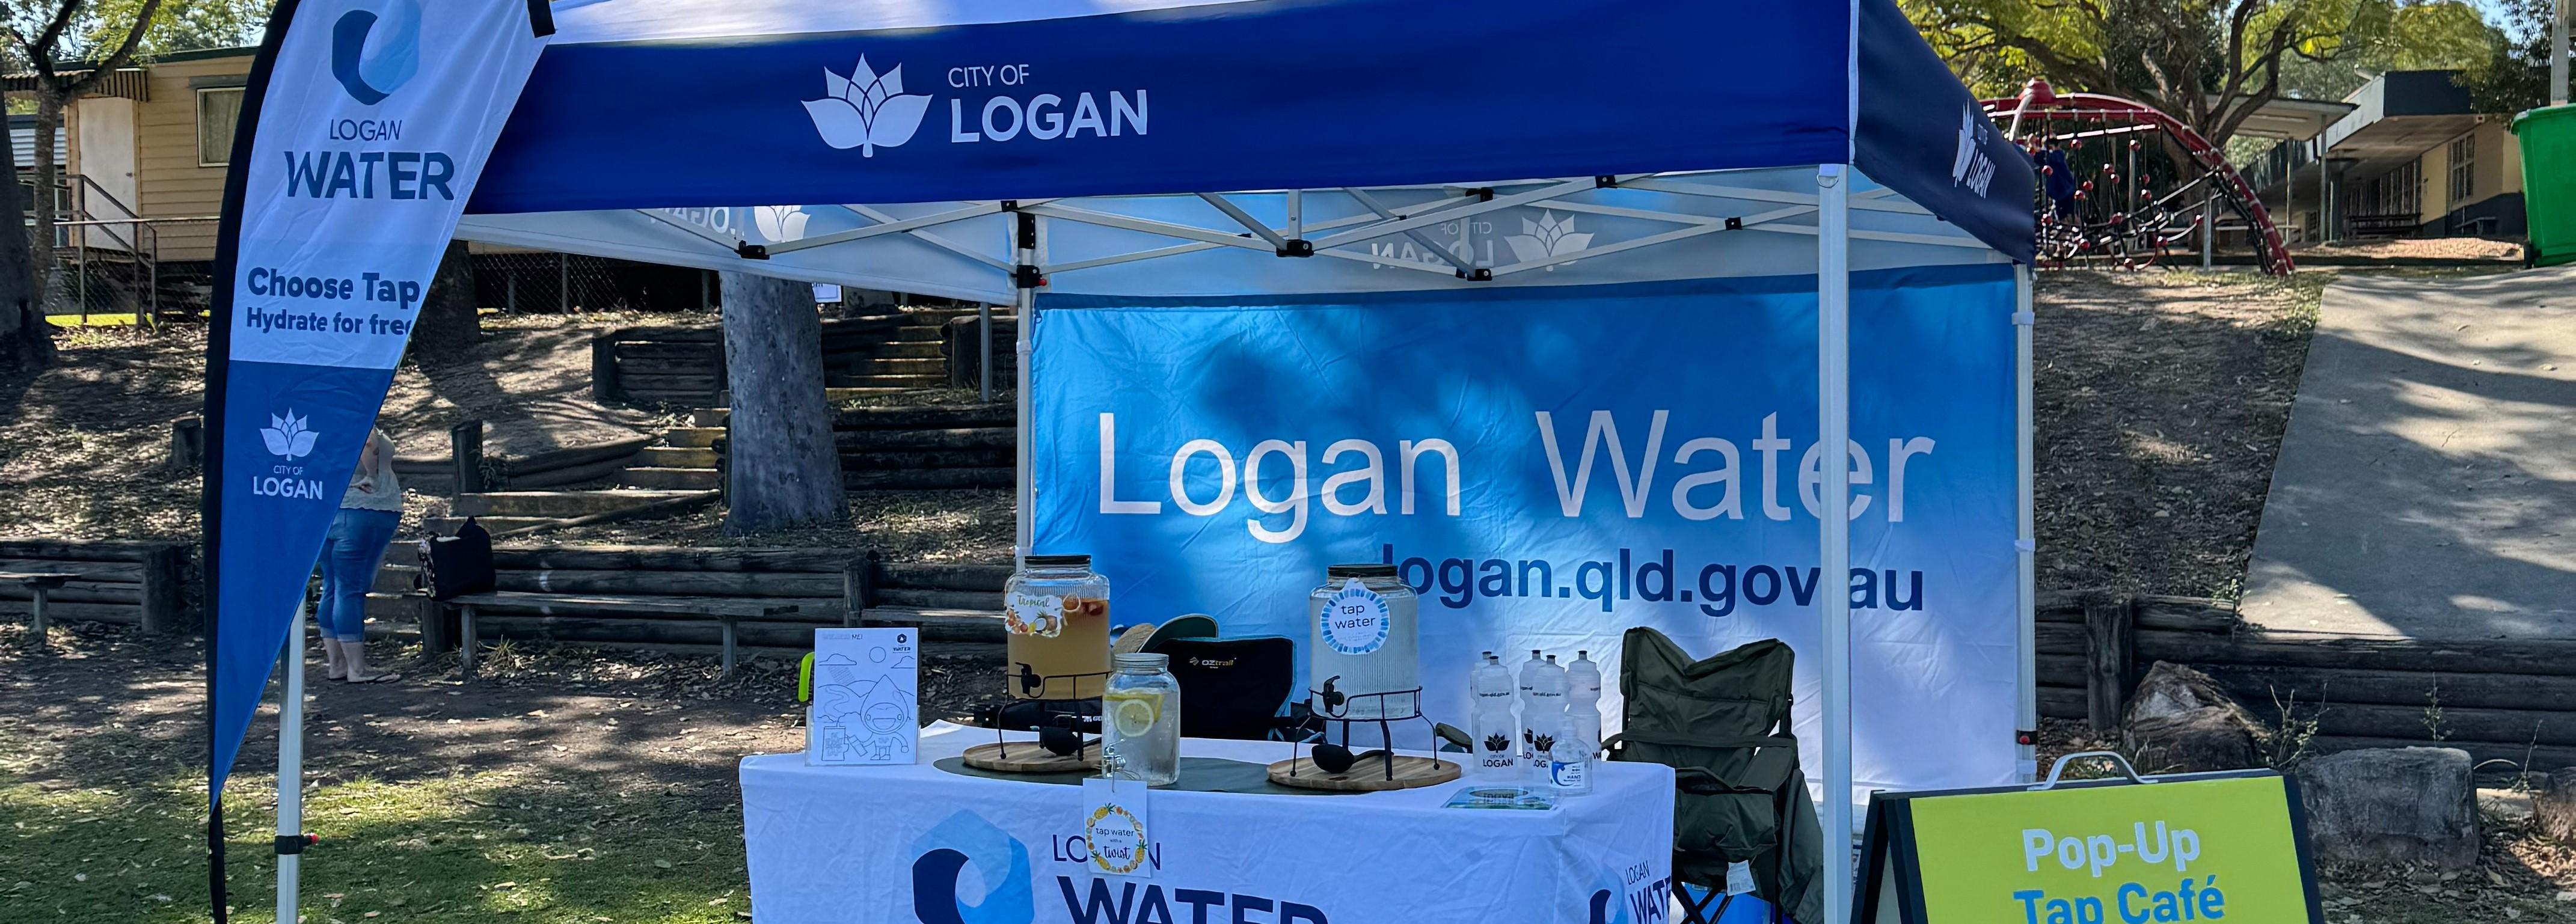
93	320
458	848
563	787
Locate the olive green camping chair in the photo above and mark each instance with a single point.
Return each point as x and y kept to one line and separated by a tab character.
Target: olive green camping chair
1722	724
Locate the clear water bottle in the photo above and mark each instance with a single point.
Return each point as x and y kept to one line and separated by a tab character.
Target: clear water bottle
1497	757
1577	740
1140	721
1529	672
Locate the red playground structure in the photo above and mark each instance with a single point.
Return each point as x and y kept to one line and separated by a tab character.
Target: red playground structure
2129	210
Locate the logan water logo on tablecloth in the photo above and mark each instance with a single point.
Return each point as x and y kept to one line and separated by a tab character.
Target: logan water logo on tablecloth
1001	865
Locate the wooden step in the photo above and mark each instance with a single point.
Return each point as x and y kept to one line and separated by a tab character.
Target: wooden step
943	575
1001	457
684	479
394	579
554	504
838	394
927	479
912	349
925	439
677	457
932	598
447	525
940	624
887	382
966	416
892	417
895	365
693	437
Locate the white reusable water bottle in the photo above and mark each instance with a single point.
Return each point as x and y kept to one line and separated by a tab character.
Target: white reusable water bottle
1529	672
1585	676
1546	707
1496	757
1583	688
1577	739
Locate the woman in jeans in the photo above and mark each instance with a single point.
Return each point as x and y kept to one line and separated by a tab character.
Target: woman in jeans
351	556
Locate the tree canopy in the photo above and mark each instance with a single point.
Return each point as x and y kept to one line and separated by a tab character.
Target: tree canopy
2210	63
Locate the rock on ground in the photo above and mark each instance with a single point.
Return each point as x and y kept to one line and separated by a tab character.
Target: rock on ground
2555	808
2181	721
2392	806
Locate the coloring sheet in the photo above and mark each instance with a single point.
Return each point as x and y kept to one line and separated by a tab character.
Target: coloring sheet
867	707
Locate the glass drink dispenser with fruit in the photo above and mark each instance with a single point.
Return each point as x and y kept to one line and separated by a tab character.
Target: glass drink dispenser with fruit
1056	611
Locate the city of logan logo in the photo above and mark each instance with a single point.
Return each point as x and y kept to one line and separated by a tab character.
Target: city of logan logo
287	437
1969	166
1547	237
780	223
371	63
866	111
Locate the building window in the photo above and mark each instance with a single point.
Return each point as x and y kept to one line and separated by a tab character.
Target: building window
2464	169
218	108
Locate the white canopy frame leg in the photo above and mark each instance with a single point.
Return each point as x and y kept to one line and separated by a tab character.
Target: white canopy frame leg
1833	530
2025	535
1028	234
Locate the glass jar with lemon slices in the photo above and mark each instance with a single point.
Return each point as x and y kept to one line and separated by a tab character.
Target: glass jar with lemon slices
1140	721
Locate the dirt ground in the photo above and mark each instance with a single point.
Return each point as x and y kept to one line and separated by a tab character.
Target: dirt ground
84	442
2161	398
912	526
2434	248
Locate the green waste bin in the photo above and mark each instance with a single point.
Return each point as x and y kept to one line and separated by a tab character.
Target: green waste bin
2548	137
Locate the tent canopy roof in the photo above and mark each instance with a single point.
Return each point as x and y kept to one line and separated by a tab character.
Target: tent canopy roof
717	103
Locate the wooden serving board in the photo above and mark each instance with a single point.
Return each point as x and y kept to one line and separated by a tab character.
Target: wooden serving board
1369	775
1029	757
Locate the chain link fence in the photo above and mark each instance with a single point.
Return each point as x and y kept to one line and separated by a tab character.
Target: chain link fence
537	282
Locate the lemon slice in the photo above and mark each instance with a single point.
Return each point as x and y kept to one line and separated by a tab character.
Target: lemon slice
1134	714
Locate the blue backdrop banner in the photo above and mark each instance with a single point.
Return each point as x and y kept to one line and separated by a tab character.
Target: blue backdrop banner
1551	466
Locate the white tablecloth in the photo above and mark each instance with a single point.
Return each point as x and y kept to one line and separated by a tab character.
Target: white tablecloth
920	845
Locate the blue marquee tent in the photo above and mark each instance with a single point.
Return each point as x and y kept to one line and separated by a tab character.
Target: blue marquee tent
1013	151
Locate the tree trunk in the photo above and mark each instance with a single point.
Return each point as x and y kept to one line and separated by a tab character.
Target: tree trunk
783	470
40	247
448	321
25	338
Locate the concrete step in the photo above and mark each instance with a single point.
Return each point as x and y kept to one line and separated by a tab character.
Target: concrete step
554	504
693	437
713	418
677	457
447	525
688	479
917	335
